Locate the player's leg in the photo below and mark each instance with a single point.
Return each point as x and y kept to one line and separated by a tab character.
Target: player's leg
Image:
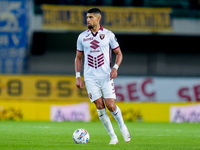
95	96
109	97
103	116
116	112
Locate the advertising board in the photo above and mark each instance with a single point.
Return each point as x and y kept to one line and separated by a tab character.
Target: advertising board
129	89
118	19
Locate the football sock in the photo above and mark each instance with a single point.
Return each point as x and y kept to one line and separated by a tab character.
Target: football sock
118	117
103	116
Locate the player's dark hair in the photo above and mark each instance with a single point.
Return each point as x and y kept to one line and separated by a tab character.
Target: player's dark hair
94	10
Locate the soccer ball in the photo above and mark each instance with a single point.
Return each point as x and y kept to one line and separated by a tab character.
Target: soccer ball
81	136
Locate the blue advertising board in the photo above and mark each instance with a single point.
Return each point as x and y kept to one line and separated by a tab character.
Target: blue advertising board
13	35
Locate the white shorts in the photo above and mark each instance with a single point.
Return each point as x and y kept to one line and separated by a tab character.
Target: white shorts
97	88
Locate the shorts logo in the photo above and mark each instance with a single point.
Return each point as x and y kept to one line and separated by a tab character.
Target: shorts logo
90	95
102	36
112	84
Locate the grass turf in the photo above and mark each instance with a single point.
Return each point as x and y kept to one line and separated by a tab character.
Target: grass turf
58	136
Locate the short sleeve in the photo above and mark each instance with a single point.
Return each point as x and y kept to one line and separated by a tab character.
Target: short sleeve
113	41
79	45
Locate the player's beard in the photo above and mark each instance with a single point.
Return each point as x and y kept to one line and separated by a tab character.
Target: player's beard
90	27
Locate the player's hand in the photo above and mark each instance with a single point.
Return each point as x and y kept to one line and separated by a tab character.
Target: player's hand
79	83
113	73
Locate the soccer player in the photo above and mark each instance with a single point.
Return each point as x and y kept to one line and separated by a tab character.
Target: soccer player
95	44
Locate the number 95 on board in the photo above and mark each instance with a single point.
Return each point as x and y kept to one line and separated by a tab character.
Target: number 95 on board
40	87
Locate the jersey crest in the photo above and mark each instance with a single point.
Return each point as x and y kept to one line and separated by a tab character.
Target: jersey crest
102	36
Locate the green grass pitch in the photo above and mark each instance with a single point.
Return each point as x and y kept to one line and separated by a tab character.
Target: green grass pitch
16	135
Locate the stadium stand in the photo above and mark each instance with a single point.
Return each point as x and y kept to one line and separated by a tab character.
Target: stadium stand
181	8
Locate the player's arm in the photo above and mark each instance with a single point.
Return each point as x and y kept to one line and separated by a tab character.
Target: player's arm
118	61
78	63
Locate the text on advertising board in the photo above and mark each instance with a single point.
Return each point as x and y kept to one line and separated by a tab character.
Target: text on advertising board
124	19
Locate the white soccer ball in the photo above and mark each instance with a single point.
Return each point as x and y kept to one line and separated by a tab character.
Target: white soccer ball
81	136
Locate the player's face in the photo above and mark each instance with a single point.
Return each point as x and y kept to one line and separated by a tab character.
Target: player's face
92	20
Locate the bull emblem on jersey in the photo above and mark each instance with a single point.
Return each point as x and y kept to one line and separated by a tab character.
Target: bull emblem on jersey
102	36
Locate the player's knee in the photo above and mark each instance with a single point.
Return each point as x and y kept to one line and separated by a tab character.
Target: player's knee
111	107
99	104
110	104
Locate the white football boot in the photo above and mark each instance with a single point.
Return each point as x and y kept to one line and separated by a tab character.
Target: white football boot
113	142
126	134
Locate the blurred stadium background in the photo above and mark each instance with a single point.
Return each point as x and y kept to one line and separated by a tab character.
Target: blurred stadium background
158	80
